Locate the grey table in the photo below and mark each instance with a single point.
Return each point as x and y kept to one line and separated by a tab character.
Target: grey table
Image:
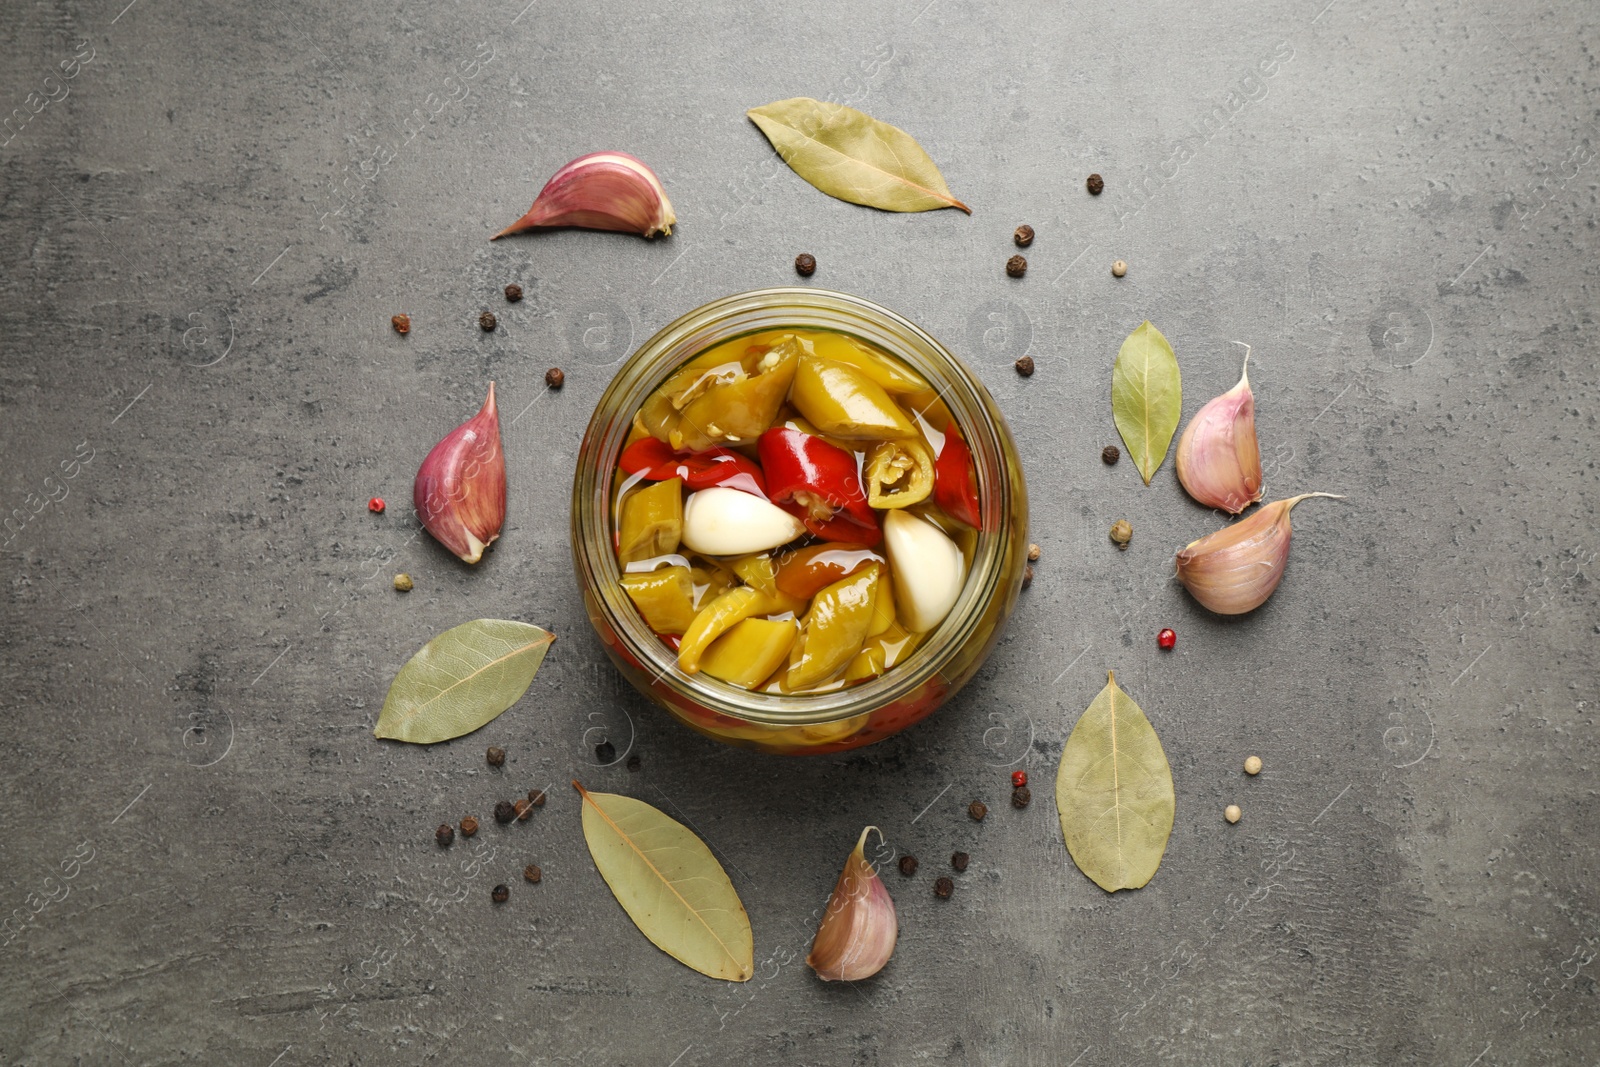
208	214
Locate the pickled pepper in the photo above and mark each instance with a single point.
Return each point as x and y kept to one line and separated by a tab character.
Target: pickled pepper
955	488
750	652
806	572
725	612
730	402
834	629
652	522
899	474
843	401
879	653
665	597
896	378
758	571
699	470
819	484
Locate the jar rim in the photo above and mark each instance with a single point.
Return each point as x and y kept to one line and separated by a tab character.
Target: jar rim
754	311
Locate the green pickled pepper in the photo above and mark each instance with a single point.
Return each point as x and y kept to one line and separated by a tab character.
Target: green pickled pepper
665	597
728	401
750	652
652	522
842	401
834	629
725	612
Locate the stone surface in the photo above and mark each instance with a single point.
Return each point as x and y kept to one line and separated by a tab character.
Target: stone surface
210	214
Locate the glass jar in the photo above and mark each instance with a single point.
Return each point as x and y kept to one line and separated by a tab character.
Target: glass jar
844	718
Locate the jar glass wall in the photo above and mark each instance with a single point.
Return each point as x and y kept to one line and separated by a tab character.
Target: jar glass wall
843	718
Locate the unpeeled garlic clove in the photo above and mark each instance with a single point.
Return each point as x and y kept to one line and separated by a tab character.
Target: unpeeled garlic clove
1235	569
460	491
1219	459
600	191
927	566
730	522
858	931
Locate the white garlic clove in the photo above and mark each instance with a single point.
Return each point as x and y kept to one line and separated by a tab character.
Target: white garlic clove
460	489
927	568
859	929
1219	459
600	191
1237	568
727	522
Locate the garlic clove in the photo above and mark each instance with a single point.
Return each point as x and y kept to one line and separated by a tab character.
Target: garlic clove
928	570
460	491
1236	569
1219	459
600	191
858	931
729	522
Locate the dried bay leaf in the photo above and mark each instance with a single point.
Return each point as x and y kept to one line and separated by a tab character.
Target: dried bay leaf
462	679
852	156
1146	397
1114	793
670	885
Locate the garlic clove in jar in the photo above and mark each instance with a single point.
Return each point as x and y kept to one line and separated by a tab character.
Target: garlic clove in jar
460	489
600	191
1219	458
928	570
858	931
728	522
1237	568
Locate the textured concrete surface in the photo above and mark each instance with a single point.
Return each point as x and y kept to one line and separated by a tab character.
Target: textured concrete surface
209	213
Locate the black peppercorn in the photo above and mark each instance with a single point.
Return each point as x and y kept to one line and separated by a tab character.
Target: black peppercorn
1110	454
536	797
532	873
445	835
401	324
605	752
469	826
805	264
943	888
513	292
959	860
496	755
523	808
1021	796
978	809
1016	266
554	377
1023	236
504	812
487	320
908	865
634	762
500	893
1025	366
1095	184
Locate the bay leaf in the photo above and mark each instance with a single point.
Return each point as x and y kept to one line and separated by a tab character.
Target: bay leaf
670	885
1146	397
851	155
462	679
1114	793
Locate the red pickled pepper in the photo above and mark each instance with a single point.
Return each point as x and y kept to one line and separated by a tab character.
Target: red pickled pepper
954	486
699	470
819	484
